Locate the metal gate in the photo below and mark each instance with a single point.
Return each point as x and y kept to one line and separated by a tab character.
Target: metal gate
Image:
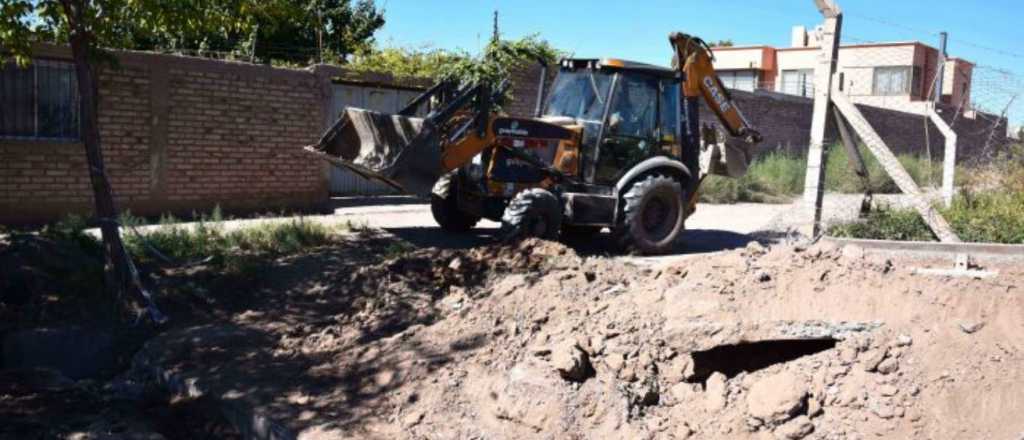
380	99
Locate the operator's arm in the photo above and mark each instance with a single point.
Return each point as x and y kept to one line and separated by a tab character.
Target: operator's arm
694	58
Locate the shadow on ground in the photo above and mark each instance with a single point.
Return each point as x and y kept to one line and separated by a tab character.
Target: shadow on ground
315	343
695	241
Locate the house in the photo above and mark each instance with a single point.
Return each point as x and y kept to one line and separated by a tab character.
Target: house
896	75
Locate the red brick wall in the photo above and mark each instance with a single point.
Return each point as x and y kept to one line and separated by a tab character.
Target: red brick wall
525	82
180	135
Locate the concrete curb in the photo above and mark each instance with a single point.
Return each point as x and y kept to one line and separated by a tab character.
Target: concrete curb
988	250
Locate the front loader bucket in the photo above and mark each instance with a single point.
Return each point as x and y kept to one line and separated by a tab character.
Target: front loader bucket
403	152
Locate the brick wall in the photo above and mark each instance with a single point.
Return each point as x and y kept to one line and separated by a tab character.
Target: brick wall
525	80
180	135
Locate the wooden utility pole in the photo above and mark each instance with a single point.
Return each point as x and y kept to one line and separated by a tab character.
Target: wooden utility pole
824	71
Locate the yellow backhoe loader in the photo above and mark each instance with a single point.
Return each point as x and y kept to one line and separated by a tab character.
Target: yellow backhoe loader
615	144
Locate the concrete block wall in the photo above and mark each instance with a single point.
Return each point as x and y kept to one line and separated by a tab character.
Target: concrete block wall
785	122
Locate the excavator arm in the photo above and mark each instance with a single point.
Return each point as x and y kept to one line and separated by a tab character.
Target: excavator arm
694	59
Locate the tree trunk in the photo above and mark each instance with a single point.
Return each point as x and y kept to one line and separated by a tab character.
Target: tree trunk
116	264
119	271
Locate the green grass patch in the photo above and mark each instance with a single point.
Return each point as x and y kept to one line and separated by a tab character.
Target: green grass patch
779	177
772	178
986	217
208	237
839	176
205	238
886	224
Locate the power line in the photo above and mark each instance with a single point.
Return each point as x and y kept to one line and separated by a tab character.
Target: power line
894	24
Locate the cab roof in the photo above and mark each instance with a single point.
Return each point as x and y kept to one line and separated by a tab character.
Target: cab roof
615	64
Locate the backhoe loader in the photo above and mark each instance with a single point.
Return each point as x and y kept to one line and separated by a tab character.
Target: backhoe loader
616	144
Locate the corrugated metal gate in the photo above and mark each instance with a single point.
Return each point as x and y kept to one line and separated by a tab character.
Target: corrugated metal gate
380	99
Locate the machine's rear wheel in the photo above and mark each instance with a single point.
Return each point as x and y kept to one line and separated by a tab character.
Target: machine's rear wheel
532	213
445	208
653	215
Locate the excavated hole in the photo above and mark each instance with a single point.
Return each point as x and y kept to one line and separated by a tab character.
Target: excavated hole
731	360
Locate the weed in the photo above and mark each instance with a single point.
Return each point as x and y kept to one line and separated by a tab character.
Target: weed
992	216
397	249
886	224
778	177
208	238
71	231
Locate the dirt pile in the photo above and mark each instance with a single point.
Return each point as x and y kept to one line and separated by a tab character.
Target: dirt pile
758	343
535	341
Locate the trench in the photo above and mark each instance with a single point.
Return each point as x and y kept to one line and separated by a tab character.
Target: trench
731	360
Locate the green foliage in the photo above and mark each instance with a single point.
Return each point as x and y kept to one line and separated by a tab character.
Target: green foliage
771	178
209	238
72	230
493	65
423	62
277	29
992	216
777	177
721	43
886	224
839	176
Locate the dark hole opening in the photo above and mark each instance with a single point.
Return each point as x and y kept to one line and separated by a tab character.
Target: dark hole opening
731	360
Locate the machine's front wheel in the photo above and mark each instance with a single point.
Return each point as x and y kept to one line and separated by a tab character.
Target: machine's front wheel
445	209
532	213
653	215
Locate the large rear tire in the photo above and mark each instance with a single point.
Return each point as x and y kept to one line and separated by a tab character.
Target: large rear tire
445	209
532	213
653	216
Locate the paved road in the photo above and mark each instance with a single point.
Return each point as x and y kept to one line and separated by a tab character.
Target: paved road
713	228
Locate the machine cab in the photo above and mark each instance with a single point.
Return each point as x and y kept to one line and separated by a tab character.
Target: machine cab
629	112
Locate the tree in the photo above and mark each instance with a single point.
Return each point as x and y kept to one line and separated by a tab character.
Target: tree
294	31
88	26
424	62
491	66
721	43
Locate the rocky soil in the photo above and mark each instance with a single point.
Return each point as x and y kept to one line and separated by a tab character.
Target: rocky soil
535	341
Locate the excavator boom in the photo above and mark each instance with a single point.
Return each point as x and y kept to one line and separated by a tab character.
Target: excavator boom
694	59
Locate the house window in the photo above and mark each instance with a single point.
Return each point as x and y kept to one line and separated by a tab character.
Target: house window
897	80
40	101
739	79
798	82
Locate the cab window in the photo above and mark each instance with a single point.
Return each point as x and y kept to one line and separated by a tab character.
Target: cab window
669	112
634	108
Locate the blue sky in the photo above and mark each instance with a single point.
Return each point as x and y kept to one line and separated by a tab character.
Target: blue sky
988	33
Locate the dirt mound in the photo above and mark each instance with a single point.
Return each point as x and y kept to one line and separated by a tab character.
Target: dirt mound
534	341
440	269
31	265
757	343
